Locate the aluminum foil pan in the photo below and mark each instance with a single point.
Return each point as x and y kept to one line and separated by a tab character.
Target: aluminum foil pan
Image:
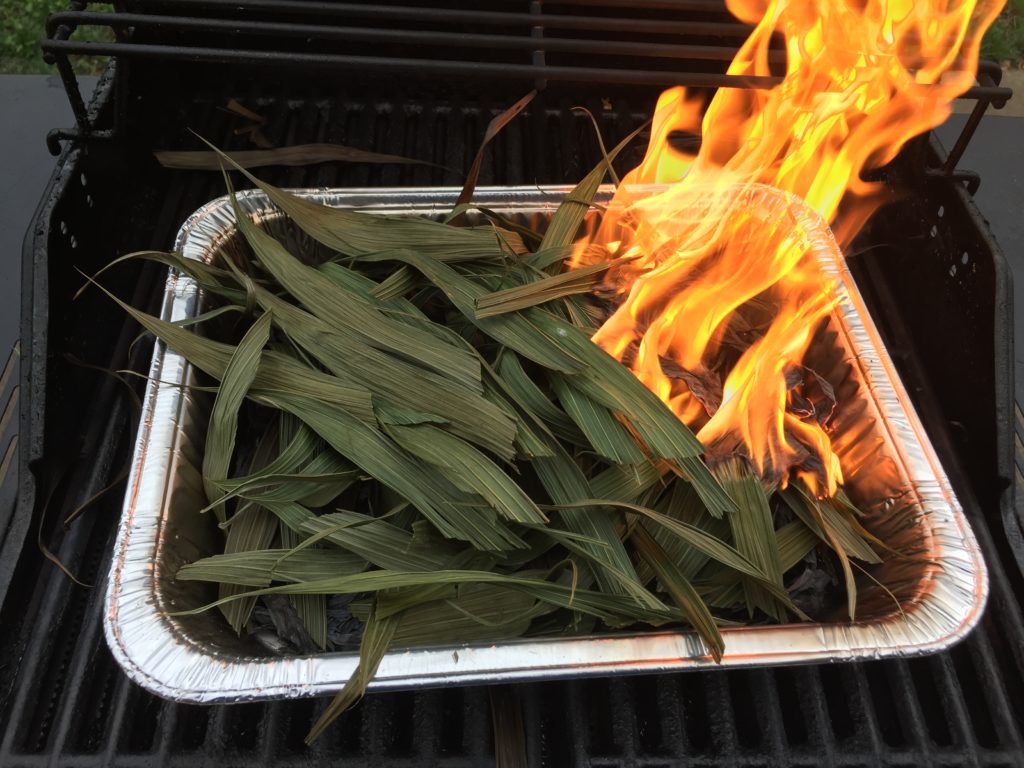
890	468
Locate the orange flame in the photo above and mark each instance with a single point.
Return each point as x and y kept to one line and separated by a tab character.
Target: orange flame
715	277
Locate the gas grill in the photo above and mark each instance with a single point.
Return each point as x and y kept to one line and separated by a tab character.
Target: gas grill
422	80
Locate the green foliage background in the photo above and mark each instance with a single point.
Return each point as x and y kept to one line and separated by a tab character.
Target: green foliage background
24	25
1005	40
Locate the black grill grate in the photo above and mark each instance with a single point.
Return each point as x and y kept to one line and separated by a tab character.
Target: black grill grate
569	41
606	44
62	697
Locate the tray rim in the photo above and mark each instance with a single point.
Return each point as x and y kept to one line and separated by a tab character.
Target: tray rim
187	676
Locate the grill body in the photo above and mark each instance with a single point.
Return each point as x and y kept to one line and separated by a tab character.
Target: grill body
937	287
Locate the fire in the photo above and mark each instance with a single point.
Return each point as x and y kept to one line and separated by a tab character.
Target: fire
713	272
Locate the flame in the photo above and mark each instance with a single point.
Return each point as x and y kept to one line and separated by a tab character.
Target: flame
712	271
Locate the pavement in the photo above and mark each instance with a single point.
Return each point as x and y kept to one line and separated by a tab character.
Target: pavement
1012	78
33	104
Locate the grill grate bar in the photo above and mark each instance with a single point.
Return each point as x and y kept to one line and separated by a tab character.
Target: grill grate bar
321	32
676	6
808	683
576	706
66	611
987	668
398	65
624	694
769	715
163	742
908	707
124	695
69	709
462	16
865	715
957	718
993	759
82	661
721	714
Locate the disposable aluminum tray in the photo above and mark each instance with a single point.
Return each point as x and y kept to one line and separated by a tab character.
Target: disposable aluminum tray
890	468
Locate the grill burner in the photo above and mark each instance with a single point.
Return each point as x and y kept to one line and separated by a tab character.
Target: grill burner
65	702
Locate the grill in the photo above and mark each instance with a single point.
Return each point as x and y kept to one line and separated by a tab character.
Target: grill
934	279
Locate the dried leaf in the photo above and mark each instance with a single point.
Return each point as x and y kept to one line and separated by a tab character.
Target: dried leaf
348	313
567	219
298	155
493	128
549	288
377	638
469	470
359	234
682	592
239	375
754	532
602	430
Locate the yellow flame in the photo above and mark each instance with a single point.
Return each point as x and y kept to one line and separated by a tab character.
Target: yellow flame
711	269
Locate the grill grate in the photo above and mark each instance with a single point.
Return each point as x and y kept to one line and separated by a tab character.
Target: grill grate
609	43
67	704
